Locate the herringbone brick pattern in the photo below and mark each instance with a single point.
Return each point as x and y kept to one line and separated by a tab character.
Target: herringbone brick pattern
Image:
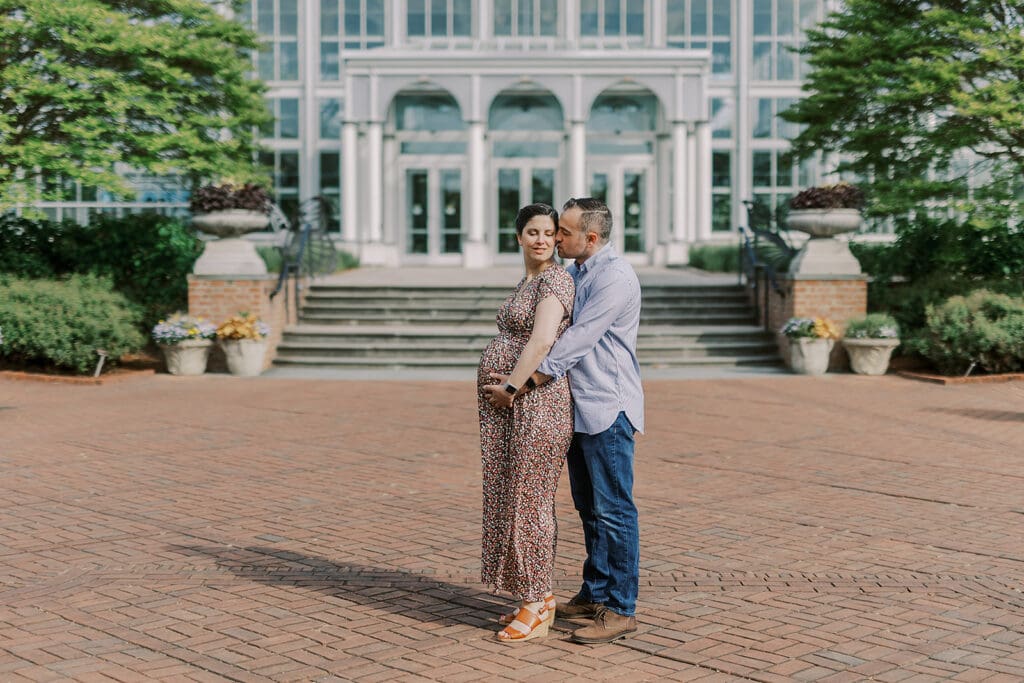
840	528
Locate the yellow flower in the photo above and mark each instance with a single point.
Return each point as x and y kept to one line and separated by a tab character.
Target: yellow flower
825	329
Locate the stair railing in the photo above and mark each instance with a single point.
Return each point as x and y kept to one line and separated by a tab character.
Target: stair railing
756	271
308	251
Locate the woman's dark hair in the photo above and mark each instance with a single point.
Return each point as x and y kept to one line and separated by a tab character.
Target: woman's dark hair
531	211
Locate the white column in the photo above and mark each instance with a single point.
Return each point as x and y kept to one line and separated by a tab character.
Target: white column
679	182
477	173
485	23
578	159
657	24
741	163
571	19
703	161
349	184
309	178
374	191
691	185
395	32
475	252
677	251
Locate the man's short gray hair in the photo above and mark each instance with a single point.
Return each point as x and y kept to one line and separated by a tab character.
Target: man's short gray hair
595	216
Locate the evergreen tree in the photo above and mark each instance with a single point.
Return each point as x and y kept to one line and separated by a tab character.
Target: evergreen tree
924	102
163	86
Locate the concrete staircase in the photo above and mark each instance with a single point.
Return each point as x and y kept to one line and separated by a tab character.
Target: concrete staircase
391	326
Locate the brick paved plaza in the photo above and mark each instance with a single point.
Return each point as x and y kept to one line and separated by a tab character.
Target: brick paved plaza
793	528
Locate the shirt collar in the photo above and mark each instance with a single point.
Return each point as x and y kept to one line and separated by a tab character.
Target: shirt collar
603	254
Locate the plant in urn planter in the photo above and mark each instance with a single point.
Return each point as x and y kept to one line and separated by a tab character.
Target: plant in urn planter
244	340
227	212
824	212
185	342
810	344
870	341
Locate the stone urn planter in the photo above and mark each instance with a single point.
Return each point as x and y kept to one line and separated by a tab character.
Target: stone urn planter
244	356
870	356
823	254
227	212
187	357
809	356
824	213
230	222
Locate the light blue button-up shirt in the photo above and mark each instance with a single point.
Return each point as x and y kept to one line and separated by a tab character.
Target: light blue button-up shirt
598	351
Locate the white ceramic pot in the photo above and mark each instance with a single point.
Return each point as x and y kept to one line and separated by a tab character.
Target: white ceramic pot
870	356
187	357
244	356
809	356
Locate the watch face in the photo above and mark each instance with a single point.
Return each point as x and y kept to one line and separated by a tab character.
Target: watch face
510	389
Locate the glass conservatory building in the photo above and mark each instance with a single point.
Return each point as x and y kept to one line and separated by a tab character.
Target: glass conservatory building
430	122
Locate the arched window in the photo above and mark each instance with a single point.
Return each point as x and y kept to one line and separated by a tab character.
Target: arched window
427	112
617	113
525	112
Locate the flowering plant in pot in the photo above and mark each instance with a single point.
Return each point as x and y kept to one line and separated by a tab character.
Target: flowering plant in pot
870	341
185	342
810	344
243	338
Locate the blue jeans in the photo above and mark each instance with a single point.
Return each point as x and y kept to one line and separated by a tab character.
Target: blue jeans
601	479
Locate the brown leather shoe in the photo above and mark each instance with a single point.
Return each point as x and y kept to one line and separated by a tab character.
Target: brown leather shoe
578	608
607	626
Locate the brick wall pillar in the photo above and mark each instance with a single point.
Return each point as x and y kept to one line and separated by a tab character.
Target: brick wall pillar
218	297
836	297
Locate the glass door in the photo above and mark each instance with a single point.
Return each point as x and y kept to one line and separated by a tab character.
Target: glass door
433	215
519	184
625	188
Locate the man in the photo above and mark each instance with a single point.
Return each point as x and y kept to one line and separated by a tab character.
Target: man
598	352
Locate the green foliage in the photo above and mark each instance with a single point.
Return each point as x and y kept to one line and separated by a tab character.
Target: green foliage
271	257
146	256
63	323
716	258
899	89
725	258
924	103
873	326
159	86
983	328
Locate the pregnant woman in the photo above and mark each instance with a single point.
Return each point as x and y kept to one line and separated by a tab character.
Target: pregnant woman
523	447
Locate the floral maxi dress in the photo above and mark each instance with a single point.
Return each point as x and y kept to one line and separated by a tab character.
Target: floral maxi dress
522	449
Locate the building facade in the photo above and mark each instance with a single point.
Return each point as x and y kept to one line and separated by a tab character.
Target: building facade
428	123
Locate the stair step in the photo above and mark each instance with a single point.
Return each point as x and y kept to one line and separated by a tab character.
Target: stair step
445	326
398	362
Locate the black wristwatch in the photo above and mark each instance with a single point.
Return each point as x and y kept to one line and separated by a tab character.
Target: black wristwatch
530	383
509	389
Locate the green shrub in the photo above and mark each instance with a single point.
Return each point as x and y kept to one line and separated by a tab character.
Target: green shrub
148	257
61	323
29	248
271	257
983	328
873	326
716	258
